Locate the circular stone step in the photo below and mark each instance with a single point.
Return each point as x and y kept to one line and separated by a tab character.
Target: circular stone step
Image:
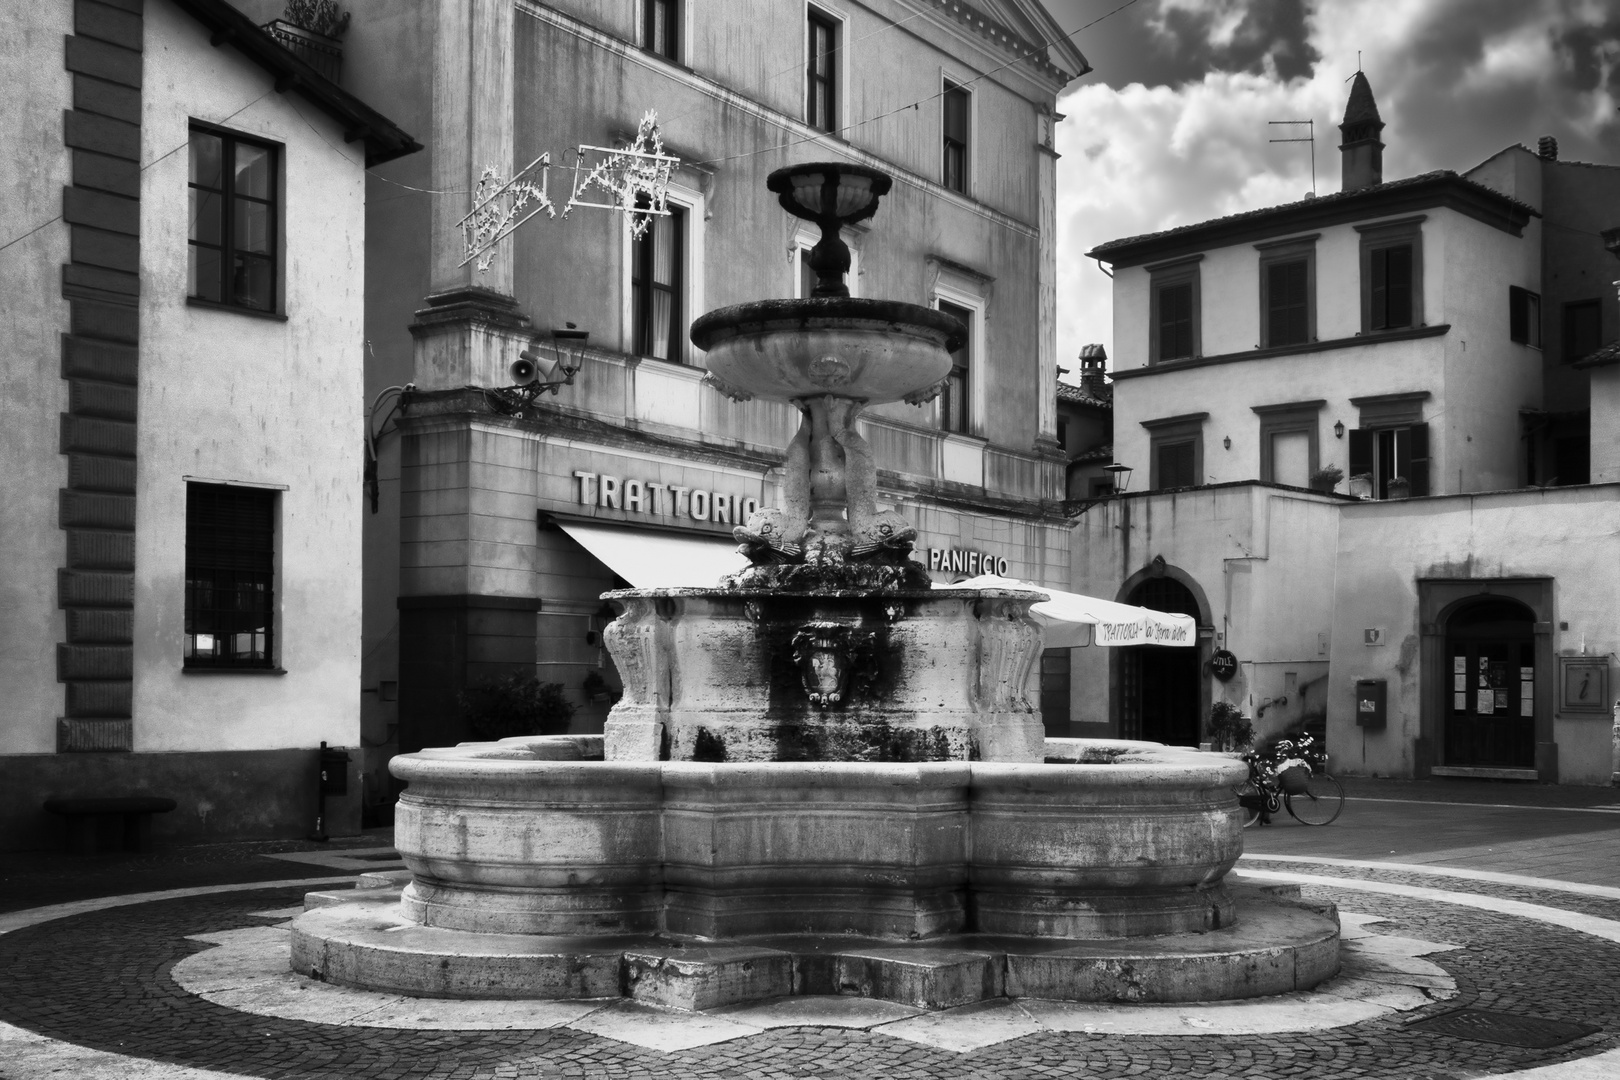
1278	945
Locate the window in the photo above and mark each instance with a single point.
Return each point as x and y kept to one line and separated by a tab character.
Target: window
230	573
1174	332
1289	441
660	27
954	413
657	287
1524	316
233	234
1176	451
1391	275
1392	442
1287	292
821	99
955	167
1583	328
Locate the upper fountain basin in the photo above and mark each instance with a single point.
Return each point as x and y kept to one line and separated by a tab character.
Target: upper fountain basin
874	350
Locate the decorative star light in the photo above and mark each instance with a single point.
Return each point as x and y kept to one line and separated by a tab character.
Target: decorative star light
635	176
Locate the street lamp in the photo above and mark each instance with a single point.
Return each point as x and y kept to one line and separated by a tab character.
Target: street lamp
1122	475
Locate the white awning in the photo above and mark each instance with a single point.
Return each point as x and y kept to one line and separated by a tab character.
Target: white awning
1110	623
650	559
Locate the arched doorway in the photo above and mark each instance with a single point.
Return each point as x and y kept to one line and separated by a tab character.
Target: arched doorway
1490	719
1161	698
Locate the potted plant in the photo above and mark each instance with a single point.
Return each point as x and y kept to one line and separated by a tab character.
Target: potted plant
1400	487
516	704
1361	486
1326	478
1229	729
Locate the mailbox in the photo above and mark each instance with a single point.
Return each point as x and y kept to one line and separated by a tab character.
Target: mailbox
334	771
1370	711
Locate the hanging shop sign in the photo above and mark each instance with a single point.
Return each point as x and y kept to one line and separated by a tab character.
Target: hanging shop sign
662	500
1223	665
964	561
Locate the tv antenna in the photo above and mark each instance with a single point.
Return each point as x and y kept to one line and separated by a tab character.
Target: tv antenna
1309	137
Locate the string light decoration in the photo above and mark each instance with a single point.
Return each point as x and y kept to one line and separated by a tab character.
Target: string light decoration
497	205
635	177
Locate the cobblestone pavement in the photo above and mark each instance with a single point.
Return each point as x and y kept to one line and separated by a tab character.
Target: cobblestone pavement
100	979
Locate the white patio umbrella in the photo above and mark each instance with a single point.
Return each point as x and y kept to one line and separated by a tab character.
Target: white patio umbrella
1072	620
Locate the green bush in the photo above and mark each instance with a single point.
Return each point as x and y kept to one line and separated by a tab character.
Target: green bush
1229	729
518	704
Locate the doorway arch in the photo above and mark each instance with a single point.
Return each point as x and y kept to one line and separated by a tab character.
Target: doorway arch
1161	693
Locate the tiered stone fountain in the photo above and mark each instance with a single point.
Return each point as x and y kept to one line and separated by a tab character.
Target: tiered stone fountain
824	776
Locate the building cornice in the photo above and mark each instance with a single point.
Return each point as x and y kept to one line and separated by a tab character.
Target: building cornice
1379	338
1402	197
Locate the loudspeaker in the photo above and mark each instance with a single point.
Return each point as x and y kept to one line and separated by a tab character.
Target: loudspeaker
530	366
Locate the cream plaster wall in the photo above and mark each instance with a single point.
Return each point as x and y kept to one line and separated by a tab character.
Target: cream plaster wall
1264	561
33	395
1477	378
229	396
1228	393
1605	425
1567	534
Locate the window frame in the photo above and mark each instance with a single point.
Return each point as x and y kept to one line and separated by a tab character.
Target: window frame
643	283
1283	252
275	255
692	203
1400	416
269	572
1172	431
948	87
1524	317
1169	275
1566	324
1290	418
675	23
1382	236
819	16
960	288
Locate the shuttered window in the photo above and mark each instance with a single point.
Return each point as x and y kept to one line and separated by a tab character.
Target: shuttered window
1175	322
657	287
660	21
230	577
1175	465
1287	304
954	414
1524	316
1391	287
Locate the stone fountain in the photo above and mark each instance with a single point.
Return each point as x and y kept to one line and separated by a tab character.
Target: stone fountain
824	776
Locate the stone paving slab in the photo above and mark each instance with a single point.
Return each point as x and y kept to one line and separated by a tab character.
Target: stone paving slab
96	985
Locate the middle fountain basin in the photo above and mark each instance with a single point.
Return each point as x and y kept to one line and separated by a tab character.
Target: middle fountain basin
504	838
731	675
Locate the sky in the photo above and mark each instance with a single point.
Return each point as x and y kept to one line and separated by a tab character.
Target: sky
1171	126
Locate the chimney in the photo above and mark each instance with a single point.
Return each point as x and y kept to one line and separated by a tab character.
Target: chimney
1093	359
1547	148
1361	152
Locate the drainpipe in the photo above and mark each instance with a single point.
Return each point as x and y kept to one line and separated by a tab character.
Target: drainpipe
1614	738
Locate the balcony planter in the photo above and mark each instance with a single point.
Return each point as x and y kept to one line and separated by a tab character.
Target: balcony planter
1361	486
1400	488
1326	478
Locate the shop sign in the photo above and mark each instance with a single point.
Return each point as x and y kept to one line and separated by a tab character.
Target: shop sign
1145	631
1223	665
964	561
662	500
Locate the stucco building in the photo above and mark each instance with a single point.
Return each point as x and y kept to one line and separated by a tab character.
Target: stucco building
184	229
1436	341
495	534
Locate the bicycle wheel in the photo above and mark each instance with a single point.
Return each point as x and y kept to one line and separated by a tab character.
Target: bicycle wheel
1250	800
1321	802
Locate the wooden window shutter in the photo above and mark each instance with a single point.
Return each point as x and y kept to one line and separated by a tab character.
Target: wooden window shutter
1416	466
1361	451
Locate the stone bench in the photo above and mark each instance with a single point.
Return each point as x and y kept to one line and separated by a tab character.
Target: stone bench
85	818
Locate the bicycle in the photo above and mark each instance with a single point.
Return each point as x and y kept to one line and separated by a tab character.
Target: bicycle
1292	778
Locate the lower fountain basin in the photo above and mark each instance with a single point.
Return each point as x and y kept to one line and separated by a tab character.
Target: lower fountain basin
507	838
